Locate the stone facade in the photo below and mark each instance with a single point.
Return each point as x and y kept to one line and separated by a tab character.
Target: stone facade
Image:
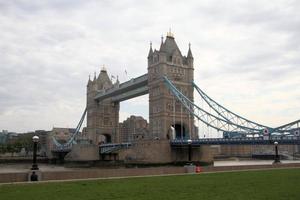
164	110
133	128
103	116
83	152
151	142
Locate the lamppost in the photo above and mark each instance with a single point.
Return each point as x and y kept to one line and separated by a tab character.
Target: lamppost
190	150
35	140
277	159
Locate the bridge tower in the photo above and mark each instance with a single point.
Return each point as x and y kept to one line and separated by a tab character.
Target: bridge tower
164	110
102	116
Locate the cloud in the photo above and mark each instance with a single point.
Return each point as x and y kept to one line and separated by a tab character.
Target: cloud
246	54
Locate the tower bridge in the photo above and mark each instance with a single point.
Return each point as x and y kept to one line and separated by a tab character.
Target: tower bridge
174	117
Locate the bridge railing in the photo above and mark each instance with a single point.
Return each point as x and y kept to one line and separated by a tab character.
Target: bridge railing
111	147
256	140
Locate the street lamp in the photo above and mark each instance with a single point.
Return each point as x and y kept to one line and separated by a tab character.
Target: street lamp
276	160
190	149
35	140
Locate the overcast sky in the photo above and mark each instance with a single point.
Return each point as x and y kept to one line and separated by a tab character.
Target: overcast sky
246	55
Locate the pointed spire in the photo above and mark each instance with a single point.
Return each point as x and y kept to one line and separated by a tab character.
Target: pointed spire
170	34
94	76
103	69
89	81
117	82
162	43
190	55
150	50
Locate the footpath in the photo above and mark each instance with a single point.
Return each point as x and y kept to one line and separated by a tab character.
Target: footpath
100	173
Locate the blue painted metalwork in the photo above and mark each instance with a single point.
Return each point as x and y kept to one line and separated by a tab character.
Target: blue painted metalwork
234	125
292	128
58	147
113	147
227	114
231	124
239	141
207	118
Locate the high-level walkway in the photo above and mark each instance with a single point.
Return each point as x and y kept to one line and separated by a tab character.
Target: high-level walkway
127	90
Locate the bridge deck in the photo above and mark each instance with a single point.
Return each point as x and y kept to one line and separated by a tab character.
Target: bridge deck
237	141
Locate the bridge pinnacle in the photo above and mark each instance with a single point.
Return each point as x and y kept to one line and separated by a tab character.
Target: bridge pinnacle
150	50
94	76
190	55
103	69
170	34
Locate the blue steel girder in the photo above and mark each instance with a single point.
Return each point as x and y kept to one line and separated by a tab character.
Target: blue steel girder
295	140
227	114
71	141
207	118
113	147
291	128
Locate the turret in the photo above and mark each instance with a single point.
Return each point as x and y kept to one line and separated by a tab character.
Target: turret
190	58
117	83
150	51
103	80
150	54
89	81
94	77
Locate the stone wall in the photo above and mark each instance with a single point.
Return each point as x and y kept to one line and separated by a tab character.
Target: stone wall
91	173
147	151
248	150
160	151
83	152
105	173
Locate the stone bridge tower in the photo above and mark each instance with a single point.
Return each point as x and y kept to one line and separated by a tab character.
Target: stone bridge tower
164	110
103	116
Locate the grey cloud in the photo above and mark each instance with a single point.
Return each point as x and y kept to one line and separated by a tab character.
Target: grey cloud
48	48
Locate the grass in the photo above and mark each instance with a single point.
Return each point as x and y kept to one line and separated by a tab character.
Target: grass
272	184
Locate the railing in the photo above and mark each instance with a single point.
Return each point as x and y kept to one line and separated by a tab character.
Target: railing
241	141
111	147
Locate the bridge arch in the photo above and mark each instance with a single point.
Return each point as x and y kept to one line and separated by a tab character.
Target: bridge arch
180	131
104	138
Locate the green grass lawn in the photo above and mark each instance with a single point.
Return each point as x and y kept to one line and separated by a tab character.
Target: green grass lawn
272	184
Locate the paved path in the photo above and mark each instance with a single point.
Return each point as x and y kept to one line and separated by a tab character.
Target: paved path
161	175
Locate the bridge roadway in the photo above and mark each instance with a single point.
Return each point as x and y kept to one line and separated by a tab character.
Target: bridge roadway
111	147
238	141
127	90
295	140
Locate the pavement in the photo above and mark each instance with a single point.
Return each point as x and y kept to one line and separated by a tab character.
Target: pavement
15	168
160	175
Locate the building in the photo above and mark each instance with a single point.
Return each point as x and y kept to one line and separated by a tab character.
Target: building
3	136
133	128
